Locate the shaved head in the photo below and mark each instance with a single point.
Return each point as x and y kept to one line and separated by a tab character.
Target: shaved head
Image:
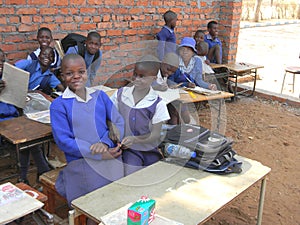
68	58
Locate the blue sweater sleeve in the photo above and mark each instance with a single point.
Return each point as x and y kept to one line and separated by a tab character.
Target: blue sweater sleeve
61	122
196	73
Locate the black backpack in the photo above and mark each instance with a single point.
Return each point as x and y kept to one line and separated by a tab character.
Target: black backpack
78	40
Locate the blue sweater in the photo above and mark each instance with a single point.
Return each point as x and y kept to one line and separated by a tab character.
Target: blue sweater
167	41
77	125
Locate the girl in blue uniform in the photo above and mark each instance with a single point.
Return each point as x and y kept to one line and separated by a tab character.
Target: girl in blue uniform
144	113
79	124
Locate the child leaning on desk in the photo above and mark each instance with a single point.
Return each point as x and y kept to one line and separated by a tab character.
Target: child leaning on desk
41	77
9	111
79	125
144	113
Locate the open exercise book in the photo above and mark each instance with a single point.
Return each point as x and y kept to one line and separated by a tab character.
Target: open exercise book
119	217
203	91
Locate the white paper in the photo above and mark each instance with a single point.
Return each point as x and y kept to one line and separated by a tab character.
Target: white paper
16	81
169	95
203	91
43	116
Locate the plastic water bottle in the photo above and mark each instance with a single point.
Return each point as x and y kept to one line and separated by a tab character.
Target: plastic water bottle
179	151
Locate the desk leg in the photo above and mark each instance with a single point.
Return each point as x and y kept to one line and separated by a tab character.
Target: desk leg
254	85
261	201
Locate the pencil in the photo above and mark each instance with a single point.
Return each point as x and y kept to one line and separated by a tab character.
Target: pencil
187	78
178	85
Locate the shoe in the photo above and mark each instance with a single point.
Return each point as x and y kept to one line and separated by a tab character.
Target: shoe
25	181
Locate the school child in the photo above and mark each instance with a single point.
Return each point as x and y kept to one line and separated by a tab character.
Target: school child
202	51
91	51
8	111
41	77
214	44
144	113
166	36
79	125
44	38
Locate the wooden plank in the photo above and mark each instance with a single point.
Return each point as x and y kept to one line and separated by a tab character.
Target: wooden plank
32	192
187	98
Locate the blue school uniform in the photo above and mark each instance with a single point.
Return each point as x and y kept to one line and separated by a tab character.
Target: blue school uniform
138	121
76	125
34	56
36	75
211	43
7	111
167	41
91	66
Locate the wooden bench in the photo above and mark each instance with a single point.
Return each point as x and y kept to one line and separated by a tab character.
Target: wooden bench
48	180
32	192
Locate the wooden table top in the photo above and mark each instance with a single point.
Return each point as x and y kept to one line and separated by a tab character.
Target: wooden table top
237	67
21	130
195	97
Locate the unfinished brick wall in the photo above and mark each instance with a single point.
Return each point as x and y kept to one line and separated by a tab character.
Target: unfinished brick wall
121	23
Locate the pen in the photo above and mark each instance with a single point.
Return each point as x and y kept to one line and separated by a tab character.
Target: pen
35	87
178	85
187	78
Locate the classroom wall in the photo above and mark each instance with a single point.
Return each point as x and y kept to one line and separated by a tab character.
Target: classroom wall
123	24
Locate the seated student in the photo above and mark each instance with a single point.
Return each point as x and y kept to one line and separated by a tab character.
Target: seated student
168	67
144	113
214	44
91	50
79	125
8	111
44	38
190	66
41	78
202	51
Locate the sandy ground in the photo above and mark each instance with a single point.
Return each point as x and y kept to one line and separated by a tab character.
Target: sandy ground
274	47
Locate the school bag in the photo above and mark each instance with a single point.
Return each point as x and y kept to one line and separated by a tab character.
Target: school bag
214	151
78	40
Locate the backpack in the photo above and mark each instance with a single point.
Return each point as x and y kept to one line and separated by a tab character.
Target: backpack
214	151
78	40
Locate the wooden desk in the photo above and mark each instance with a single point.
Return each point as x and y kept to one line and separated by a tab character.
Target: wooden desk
184	195
216	102
25	133
20	205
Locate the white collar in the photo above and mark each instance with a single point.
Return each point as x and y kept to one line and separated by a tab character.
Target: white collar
68	93
127	97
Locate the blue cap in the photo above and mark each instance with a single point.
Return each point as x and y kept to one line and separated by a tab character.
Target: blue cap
188	42
193	154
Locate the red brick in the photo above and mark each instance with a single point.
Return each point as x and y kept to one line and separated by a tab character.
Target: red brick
104	25
114	32
15	2
78	2
136	24
64	11
106	18
69	19
9	47
26	46
87	10
6	11
110	2
59	19
37	19
27	28
2	20
14	38
37	2
16	56
48	19
14	19
68	26
7	28
87	19
135	11
94	2
96	19
87	26
26	19
27	11
129	32
58	3
50	11
73	11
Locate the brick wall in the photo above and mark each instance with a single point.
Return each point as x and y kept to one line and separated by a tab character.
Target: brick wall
122	23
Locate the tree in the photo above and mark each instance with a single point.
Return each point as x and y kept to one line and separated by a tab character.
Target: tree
257	10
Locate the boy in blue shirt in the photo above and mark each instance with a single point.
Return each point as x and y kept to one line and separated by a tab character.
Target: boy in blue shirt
92	55
144	113
41	77
214	44
166	36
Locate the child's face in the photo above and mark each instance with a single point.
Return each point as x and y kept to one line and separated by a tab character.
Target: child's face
142	77
44	39
92	45
186	53
213	31
74	74
199	36
173	23
46	57
167	70
2	60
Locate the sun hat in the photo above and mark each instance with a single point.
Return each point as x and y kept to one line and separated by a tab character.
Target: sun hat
188	42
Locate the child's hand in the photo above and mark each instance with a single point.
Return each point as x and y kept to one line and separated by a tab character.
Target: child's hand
207	61
98	148
191	85
112	153
128	141
213	87
2	85
161	87
114	133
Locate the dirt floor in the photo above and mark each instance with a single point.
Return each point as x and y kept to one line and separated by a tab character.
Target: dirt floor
268	132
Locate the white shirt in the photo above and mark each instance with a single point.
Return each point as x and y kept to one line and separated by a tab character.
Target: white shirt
70	94
161	112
